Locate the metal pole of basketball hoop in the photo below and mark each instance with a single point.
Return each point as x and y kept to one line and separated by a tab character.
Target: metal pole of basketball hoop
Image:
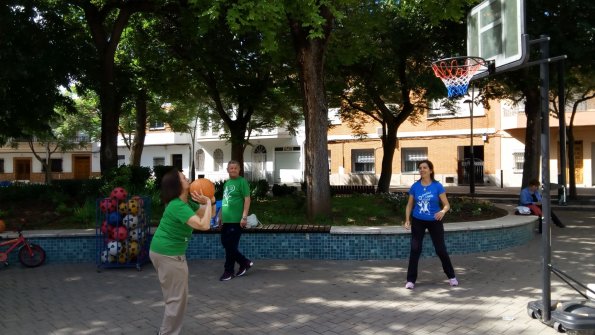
471	152
544	73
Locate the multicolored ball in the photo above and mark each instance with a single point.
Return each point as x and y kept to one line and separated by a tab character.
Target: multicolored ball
114	248
130	221
133	248
133	206
120	233
113	218
123	208
108	205
119	193
106	257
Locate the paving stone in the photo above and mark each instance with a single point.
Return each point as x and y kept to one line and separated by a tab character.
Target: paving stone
305	296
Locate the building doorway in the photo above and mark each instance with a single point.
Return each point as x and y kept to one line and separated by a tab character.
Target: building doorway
466	169
287	165
81	167
22	168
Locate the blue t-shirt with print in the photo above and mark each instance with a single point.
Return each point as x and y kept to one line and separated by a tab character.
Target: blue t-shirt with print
426	200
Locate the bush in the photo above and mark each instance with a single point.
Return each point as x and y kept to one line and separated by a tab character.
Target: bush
283	190
132	178
159	171
398	201
82	189
85	213
470	207
259	189
22	192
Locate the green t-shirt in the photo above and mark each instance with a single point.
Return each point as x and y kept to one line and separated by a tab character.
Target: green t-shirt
173	234
232	206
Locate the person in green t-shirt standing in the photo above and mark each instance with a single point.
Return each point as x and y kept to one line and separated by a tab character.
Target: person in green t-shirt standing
234	208
170	241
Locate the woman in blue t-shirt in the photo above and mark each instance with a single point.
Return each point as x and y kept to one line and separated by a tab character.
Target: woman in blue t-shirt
423	212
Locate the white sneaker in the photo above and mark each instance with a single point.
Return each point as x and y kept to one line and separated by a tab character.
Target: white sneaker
409	285
453	282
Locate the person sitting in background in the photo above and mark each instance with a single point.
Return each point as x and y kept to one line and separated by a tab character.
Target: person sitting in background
531	197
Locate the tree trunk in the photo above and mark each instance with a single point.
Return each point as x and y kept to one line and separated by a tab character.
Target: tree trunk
136	149
388	151
531	166
238	146
389	144
48	164
193	150
310	58
108	152
316	152
392	123
106	42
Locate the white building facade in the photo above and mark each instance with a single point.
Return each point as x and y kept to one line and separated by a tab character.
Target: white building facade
275	155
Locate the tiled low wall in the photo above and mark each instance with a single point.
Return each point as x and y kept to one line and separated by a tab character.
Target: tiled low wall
342	243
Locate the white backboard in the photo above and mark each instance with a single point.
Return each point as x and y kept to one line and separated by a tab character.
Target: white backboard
496	31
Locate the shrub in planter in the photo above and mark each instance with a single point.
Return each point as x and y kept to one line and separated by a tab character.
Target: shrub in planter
283	190
259	189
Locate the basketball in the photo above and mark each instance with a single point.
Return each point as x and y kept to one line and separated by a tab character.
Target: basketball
207	187
2	226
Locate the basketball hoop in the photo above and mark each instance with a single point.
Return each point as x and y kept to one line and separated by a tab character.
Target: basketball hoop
456	72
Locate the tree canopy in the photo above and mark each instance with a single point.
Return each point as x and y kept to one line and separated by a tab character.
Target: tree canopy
34	48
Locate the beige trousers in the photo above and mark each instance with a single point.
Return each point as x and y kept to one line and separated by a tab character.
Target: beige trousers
173	276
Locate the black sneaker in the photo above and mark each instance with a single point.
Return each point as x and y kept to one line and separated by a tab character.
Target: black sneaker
226	276
244	268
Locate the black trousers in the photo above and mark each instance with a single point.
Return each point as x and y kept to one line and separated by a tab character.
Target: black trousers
230	239
436	230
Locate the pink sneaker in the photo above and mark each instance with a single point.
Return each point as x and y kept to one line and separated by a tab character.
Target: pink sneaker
453	282
409	285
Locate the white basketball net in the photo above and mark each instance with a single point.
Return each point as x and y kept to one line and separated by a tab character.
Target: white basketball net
456	73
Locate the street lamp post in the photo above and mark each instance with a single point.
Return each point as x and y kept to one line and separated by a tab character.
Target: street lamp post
472	172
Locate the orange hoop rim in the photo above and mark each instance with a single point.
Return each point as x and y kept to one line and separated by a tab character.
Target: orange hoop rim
462	66
457	72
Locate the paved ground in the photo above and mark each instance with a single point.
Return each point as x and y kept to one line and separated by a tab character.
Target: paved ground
305	297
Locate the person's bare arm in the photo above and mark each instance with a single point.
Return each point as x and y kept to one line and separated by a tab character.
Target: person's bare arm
244	220
445	207
202	219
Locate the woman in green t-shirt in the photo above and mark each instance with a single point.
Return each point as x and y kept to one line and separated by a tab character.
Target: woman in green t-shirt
234	213
183	213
